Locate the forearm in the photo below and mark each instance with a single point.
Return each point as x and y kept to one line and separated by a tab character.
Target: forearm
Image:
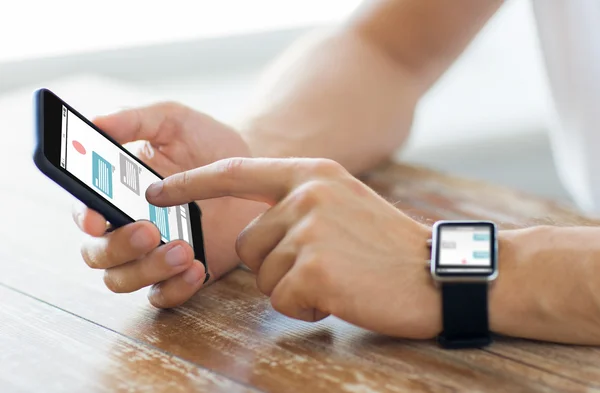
350	94
335	96
424	36
547	287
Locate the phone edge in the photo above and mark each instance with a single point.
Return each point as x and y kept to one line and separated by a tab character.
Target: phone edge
113	215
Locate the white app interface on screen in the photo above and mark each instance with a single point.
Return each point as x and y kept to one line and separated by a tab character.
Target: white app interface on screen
465	246
116	177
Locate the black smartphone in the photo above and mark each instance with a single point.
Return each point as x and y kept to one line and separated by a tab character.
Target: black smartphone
102	174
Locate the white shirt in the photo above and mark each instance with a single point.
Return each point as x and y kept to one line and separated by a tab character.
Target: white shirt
569	32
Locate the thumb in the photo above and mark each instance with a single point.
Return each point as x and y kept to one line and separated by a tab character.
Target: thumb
159	123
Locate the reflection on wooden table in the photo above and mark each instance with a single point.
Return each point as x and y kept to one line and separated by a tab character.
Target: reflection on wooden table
61	330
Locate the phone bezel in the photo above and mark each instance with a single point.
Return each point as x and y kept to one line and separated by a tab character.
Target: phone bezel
49	119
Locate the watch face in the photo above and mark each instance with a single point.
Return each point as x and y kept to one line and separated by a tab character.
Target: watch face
464	249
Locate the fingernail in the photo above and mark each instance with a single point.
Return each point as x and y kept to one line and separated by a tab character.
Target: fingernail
78	209
79	219
140	239
192	276
155	189
176	256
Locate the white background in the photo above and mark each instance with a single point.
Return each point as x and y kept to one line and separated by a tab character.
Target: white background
487	118
78	26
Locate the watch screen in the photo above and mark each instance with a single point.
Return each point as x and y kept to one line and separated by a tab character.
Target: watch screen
465	248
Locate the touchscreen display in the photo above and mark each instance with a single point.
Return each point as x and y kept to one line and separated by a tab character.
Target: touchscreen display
117	177
465	249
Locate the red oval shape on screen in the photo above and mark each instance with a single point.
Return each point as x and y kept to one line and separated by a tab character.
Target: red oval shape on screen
79	147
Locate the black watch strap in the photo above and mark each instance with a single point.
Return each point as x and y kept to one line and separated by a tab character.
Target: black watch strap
465	315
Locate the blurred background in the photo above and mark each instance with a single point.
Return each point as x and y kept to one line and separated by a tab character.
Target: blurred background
487	118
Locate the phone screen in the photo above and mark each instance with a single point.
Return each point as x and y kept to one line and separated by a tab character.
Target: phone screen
117	177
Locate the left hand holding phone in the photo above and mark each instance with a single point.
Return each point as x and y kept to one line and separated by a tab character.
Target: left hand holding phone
176	138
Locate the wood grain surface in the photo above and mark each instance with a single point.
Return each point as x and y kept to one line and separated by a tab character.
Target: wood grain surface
61	330
62	352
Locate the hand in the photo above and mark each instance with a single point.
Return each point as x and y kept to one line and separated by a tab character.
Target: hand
175	138
327	245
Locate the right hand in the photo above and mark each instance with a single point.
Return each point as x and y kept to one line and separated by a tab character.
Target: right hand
176	139
328	244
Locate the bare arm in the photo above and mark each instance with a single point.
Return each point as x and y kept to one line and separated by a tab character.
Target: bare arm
350	94
547	287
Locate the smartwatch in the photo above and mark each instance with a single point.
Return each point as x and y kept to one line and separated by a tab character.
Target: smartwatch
464	262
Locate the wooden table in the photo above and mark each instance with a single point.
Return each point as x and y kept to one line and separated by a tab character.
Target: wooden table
61	330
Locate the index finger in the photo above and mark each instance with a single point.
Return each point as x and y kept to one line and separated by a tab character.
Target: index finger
259	179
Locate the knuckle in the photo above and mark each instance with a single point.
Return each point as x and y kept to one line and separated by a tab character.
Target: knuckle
229	170
179	180
230	167
356	186
185	179
172	106
261	284
327	167
265	281
314	271
244	247
179	183
306	231
311	194
241	247
311	268
172	115
319	189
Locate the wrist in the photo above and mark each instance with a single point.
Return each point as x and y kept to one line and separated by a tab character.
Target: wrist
542	289
545	290
505	307
429	299
470	306
408	304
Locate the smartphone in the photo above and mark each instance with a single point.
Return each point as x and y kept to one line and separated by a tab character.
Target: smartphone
102	174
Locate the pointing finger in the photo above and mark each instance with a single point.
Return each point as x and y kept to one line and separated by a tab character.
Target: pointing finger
263	180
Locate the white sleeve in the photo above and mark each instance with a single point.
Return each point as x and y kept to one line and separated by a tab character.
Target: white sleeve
569	32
